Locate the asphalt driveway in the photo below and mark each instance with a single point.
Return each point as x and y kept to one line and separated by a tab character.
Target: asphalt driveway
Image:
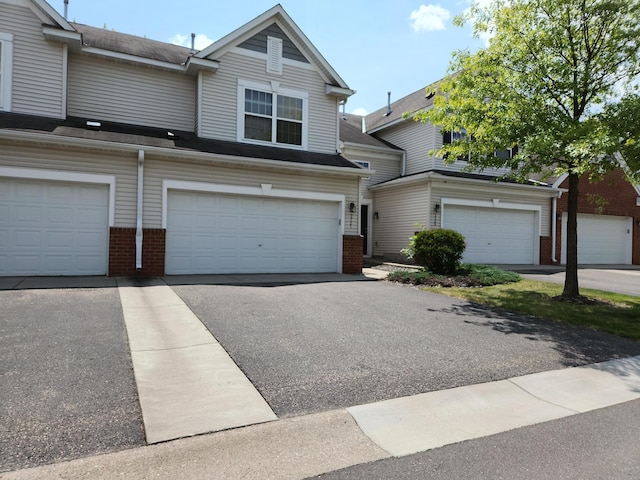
316	347
67	387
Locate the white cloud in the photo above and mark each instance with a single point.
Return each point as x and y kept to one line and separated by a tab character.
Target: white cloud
360	111
201	42
429	18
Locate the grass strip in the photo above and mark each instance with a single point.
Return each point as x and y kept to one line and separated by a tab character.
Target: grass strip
610	312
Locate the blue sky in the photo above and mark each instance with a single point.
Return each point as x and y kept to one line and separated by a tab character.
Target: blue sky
375	45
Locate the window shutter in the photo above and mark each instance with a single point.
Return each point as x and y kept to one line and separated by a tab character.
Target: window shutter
274	55
446	138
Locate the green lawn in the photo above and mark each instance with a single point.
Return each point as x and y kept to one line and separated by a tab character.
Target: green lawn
612	313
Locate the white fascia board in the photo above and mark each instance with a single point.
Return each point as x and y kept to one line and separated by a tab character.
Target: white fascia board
73	39
559	180
45	12
463	183
387	125
372	148
194	65
278	15
37	138
340	92
134	59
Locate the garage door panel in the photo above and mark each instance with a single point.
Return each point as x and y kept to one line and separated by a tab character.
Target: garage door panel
255	234
602	239
49	225
493	235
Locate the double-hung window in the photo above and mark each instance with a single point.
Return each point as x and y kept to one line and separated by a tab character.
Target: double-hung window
6	67
270	114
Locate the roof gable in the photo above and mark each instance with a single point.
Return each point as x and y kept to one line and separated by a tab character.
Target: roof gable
258	43
273	20
49	15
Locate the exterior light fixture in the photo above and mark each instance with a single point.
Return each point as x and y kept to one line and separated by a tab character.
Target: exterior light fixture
436	207
376	215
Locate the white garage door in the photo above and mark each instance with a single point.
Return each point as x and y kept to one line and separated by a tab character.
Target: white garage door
215	233
53	228
602	239
493	235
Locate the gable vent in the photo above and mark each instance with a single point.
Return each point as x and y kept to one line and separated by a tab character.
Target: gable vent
274	55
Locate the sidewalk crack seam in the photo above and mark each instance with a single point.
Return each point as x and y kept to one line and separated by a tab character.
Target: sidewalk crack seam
542	399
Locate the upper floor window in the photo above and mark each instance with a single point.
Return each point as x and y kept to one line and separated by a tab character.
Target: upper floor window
6	68
363	163
271	114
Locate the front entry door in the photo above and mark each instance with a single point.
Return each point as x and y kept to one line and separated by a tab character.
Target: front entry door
364	228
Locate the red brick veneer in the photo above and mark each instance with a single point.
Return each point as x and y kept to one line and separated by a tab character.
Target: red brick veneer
122	252
620	198
352	253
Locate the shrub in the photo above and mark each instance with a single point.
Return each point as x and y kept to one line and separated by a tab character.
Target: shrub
439	250
468	275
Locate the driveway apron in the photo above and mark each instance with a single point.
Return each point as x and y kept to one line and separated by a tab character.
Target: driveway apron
187	384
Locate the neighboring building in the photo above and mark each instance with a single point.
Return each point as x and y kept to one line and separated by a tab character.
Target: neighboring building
121	155
503	222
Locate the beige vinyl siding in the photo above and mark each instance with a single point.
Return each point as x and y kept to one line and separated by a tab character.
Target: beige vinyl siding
517	196
157	170
399	210
458	165
417	139
123	167
385	166
120	92
37	64
220	99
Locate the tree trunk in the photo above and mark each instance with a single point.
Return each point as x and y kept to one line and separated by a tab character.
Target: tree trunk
571	289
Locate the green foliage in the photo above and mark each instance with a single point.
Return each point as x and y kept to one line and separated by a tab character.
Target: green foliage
559	80
468	275
439	250
486	275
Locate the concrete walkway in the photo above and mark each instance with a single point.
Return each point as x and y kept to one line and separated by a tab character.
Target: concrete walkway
187	384
305	446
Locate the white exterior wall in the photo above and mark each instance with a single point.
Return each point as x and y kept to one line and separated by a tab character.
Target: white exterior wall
219	103
122	166
157	170
37	64
417	139
120	92
399	210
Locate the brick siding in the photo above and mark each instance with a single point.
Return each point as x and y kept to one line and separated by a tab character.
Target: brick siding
620	199
122	252
352	253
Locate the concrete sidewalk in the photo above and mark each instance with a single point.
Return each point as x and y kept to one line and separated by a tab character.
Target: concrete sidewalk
309	445
187	383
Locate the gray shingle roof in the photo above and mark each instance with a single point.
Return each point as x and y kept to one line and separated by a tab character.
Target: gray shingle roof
132	45
351	132
157	137
411	103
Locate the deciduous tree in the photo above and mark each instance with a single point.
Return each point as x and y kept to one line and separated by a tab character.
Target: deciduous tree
559	80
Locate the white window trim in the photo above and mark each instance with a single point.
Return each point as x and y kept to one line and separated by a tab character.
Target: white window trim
273	88
6	70
264	190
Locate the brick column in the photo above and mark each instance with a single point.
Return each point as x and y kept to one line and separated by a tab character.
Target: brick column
352	253
122	252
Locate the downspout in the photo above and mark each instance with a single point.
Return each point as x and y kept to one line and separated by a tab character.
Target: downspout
139	211
404	163
554	207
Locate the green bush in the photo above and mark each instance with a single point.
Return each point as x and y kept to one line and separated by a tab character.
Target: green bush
439	250
468	275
